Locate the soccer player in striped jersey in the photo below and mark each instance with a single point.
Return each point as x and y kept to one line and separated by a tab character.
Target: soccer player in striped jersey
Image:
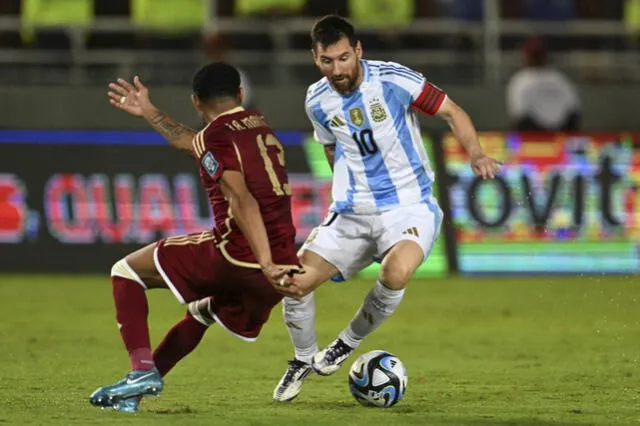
365	113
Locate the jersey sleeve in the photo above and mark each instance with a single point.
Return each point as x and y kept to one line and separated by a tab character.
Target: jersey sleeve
411	88
321	131
216	153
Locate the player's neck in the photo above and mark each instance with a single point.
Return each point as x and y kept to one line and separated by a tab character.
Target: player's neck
360	77
218	109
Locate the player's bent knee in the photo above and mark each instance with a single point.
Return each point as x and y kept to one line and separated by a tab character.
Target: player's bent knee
200	310
396	273
400	264
122	269
396	277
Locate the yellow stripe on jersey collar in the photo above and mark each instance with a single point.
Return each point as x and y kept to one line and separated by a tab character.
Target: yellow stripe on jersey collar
231	111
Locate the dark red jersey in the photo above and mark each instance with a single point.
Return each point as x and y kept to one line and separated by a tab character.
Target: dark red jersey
241	140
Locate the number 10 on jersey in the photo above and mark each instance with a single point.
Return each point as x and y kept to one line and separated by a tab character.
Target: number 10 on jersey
365	141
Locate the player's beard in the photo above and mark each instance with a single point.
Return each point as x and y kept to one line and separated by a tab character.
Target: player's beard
346	84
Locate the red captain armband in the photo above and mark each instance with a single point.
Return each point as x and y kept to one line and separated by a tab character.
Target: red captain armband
430	99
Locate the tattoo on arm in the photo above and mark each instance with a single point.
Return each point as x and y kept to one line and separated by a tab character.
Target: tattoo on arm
178	135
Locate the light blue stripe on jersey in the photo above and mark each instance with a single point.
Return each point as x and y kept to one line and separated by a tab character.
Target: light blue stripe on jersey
394	97
320	115
378	178
347	205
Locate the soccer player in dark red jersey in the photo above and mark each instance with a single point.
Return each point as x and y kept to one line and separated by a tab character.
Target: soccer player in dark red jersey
226	274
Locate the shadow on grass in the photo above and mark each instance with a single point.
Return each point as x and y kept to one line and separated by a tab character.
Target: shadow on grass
172	411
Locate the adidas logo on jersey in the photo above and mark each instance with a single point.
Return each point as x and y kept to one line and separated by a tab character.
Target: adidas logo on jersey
411	231
337	121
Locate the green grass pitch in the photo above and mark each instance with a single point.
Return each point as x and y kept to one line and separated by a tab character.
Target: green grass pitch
502	351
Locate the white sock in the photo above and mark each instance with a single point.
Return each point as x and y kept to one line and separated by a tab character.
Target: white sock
379	304
299	317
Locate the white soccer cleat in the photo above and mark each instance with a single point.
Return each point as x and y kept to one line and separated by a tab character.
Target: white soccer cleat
330	359
291	383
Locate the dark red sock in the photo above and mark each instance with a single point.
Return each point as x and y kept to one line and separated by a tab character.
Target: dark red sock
132	311
178	343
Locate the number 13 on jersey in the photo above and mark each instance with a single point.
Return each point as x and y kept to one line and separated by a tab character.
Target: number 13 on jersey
264	142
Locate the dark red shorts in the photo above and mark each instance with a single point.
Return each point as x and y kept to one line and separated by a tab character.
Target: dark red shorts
194	268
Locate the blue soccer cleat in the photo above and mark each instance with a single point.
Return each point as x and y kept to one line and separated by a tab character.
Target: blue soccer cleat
136	383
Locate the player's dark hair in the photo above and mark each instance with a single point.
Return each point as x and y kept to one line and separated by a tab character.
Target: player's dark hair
331	29
216	80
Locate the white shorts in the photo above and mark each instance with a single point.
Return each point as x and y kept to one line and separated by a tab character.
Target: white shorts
351	241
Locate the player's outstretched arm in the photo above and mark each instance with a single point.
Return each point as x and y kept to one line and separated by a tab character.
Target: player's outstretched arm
178	135
248	217
134	99
464	130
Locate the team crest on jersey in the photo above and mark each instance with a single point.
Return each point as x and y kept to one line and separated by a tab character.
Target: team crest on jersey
378	113
210	164
356	115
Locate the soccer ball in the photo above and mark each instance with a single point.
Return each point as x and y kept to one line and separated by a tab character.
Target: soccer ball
378	379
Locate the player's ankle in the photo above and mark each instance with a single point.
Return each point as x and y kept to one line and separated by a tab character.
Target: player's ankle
142	359
350	338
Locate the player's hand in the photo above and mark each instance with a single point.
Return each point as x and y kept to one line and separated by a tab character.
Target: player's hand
131	98
285	284
276	274
293	286
485	166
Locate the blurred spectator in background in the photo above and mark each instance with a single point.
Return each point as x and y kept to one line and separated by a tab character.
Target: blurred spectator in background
217	49
540	98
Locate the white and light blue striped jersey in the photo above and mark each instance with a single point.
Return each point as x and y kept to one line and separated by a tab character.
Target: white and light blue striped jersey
380	161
